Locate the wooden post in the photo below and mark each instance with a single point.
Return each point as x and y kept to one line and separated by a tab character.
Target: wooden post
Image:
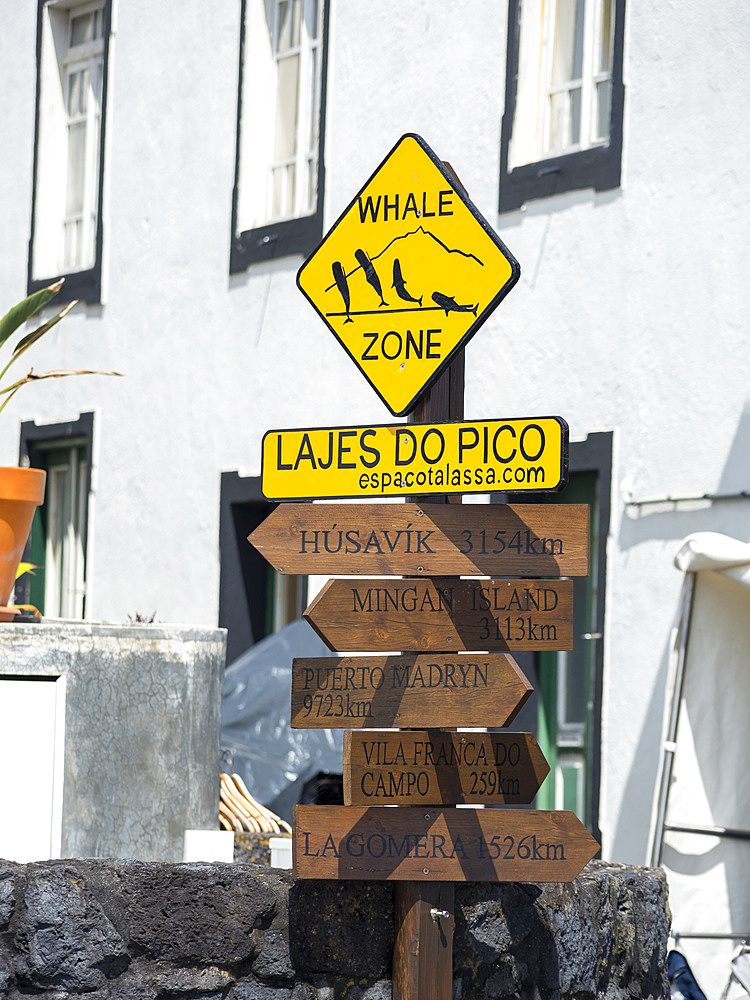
423	950
423	953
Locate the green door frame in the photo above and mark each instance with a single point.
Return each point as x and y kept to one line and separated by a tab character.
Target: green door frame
591	457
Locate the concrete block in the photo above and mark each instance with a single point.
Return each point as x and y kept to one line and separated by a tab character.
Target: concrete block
142	722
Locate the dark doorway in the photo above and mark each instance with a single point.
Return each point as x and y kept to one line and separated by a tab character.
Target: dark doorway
254	600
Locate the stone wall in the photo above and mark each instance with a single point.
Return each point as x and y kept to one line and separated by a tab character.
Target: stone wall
131	930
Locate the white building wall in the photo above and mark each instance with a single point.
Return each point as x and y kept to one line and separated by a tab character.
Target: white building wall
630	314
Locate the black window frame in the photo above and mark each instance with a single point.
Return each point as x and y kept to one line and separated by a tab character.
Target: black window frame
599	167
31	450
292	237
85	285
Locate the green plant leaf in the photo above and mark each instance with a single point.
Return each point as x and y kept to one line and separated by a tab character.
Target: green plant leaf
10	390
31	338
18	314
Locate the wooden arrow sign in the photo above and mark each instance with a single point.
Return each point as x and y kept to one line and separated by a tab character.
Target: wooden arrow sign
438	768
448	614
427	539
353	692
459	845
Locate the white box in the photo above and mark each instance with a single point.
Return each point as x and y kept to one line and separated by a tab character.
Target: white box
209	845
281	852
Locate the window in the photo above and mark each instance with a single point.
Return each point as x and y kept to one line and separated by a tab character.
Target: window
58	535
66	234
277	202
562	128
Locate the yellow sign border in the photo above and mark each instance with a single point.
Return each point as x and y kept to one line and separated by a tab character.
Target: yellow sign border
347	462
515	270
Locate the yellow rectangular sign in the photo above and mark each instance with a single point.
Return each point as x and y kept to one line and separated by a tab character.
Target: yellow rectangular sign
481	456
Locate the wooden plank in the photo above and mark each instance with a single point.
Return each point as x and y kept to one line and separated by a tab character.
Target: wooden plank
355	692
424	844
423	949
427	539
447	615
437	768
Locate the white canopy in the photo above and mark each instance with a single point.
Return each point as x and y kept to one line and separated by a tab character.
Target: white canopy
708	550
709	876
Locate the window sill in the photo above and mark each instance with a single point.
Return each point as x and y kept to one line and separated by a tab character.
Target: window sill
295	237
86	286
597	168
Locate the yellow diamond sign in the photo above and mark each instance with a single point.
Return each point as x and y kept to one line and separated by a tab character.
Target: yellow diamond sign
408	273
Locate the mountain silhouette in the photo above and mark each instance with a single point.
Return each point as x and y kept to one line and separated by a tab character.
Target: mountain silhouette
450	271
426	232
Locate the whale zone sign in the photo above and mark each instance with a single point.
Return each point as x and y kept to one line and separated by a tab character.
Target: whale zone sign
407	274
389	460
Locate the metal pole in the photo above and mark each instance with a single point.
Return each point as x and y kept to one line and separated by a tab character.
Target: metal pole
664	778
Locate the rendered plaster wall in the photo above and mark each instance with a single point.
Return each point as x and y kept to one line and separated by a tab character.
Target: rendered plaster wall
630	314
141	739
115	929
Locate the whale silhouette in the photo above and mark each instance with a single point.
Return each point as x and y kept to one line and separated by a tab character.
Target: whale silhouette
400	285
343	287
370	273
448	303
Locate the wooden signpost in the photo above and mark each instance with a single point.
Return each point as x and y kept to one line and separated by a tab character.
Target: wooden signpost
440	768
355	692
452	635
427	539
423	844
444	614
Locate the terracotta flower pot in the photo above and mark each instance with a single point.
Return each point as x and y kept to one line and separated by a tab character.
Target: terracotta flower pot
21	492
